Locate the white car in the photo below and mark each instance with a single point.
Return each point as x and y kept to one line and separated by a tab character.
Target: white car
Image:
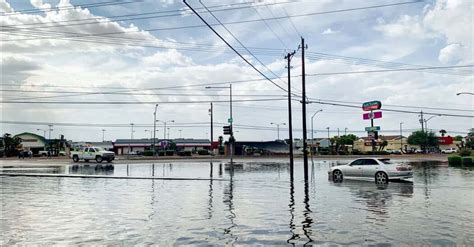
381	170
449	151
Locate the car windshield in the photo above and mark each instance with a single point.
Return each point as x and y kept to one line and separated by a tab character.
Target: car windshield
386	161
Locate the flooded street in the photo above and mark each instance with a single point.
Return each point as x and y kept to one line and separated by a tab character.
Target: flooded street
253	204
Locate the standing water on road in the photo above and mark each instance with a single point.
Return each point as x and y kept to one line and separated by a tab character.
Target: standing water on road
253	204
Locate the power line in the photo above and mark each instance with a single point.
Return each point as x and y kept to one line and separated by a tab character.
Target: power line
230	46
130	102
244	21
59	8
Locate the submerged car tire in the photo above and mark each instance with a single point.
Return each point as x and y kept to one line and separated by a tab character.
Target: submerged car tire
98	159
75	158
86	160
381	178
337	176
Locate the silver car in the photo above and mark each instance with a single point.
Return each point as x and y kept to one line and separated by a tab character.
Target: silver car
381	170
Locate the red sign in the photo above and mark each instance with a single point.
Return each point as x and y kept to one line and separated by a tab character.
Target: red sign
372	105
445	140
372	115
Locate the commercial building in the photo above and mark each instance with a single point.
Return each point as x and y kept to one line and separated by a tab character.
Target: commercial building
126	146
36	143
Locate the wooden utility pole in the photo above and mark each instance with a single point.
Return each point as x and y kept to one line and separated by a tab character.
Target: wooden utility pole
303	80
290	122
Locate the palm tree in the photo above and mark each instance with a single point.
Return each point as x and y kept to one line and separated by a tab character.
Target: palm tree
443	132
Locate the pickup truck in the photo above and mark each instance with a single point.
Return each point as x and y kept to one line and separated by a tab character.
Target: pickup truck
92	153
449	151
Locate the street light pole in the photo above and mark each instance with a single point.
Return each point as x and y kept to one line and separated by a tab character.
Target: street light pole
426	121
401	138
164	126
131	133
103	135
278	129
345	131
44	132
231	121
329	138
154	130
50	129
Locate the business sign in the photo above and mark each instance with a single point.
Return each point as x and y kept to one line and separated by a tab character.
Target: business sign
372	115
371	135
445	140
370	129
372	105
230	120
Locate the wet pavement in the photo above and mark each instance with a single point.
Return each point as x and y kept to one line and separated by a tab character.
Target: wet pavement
255	203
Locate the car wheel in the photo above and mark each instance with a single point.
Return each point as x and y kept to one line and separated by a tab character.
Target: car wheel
381	178
86	160
337	176
98	159
75	158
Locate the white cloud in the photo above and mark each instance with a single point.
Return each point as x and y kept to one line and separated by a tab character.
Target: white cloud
452	54
5	7
167	58
40	5
329	31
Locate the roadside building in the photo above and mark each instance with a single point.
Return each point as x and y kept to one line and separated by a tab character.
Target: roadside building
32	142
126	146
392	142
37	143
259	148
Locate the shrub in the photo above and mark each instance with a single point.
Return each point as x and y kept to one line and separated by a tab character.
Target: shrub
169	152
377	153
464	152
161	153
203	152
184	153
356	152
324	153
467	161
454	160
148	153
342	152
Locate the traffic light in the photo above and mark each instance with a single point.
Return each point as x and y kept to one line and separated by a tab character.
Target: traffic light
227	130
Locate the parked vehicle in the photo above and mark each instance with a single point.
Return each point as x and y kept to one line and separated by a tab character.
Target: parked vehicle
449	151
394	151
92	153
381	170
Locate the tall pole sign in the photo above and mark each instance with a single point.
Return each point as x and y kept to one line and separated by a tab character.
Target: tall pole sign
372	132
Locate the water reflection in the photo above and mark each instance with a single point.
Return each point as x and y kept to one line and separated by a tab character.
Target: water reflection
91	170
228	201
211	197
378	197
307	215
294	235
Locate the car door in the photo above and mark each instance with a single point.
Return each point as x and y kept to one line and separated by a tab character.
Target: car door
86	154
354	169
369	168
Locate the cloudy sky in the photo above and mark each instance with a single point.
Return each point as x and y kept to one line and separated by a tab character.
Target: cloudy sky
78	51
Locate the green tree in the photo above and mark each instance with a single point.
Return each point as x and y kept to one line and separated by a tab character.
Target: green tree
11	144
470	139
458	138
423	139
383	144
443	132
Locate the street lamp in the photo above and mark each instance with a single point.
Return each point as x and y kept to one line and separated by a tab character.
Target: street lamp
426	121
345	131
168	129
180	132
44	132
464	93
50	126
312	117
151	133
154	129
401	138
231	120
164	127
132	131
278	128
103	135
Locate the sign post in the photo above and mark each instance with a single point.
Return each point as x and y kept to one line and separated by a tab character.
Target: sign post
372	131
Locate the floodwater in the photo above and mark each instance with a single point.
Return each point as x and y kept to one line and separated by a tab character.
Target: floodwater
252	204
